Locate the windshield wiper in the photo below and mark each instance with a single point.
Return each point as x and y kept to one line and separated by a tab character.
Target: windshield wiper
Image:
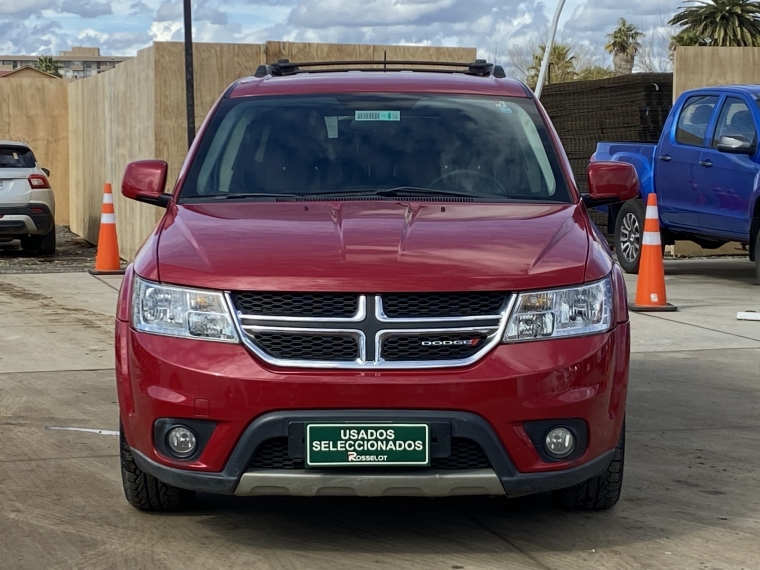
385	192
411	190
253	195
389	192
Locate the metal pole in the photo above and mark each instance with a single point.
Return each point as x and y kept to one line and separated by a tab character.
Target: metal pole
189	79
547	51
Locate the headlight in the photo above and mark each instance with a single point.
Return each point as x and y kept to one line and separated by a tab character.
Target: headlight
177	311
561	312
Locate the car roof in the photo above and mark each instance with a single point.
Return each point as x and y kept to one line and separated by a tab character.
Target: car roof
14	143
748	89
378	82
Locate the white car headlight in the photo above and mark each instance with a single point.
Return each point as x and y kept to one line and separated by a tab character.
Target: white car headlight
177	311
562	312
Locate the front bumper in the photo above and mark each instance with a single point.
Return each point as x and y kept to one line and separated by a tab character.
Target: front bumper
35	219
491	402
501	479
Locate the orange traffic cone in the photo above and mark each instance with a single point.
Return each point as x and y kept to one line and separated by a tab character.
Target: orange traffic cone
107	260
650	290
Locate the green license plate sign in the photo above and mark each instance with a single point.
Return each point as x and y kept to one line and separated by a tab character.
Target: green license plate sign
341	445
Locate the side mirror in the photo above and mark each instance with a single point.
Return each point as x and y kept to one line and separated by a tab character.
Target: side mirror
145	181
736	144
46	171
610	182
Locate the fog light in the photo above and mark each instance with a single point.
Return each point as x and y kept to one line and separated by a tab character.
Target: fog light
560	442
182	441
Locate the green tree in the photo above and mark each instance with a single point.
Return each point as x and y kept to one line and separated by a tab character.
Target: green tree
624	43
47	64
595	72
685	38
561	65
720	23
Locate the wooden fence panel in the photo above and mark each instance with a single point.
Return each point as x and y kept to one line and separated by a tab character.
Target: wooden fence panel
696	67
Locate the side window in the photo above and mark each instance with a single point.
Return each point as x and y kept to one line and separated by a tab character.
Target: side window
695	116
735	120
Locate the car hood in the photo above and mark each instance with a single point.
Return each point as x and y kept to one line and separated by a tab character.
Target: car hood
373	246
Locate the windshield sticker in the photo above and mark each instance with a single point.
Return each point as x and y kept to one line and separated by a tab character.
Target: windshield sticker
332	127
377	116
503	107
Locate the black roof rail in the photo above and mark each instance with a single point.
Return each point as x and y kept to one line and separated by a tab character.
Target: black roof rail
477	68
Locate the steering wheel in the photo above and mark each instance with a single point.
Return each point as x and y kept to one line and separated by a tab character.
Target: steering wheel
472	173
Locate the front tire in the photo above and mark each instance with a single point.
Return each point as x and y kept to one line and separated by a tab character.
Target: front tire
601	492
145	492
629	231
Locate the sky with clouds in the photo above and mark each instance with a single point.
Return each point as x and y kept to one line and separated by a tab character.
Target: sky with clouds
121	28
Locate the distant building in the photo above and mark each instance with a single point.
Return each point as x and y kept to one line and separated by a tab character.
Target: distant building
77	63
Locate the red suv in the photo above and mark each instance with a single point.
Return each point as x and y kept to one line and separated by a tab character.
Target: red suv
374	282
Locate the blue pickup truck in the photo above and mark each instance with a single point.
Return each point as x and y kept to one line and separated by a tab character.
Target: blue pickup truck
705	171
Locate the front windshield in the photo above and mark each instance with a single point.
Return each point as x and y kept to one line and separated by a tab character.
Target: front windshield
483	148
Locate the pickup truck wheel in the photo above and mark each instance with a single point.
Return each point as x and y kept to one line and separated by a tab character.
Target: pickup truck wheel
629	230
598	493
145	492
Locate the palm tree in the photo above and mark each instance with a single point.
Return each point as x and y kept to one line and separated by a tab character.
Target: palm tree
722	22
561	65
624	43
47	64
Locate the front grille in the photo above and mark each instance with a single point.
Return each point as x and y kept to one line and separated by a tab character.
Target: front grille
358	330
400	348
313	346
465	454
446	305
298	305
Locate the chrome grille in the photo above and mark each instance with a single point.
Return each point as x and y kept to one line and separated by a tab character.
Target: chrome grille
391	330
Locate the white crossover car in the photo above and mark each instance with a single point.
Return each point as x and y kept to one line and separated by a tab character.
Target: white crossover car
27	205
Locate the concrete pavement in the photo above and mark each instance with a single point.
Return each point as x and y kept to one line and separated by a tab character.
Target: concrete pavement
689	498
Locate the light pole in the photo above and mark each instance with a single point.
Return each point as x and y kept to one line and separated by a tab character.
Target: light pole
548	49
189	79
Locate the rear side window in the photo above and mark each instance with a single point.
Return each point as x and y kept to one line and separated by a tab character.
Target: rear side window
483	147
735	121
694	119
16	157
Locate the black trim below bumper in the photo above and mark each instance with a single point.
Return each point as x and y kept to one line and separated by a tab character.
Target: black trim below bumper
14	227
43	221
464	425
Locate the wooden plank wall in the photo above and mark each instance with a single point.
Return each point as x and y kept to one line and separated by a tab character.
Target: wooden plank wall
695	67
35	110
112	122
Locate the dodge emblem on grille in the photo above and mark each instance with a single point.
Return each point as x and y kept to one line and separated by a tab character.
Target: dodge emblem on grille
471	342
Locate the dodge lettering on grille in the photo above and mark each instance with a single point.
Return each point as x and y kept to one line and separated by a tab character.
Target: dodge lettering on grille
470	342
